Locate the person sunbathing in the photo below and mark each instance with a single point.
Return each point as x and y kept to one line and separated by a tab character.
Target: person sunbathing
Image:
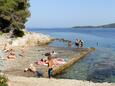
33	69
41	62
52	54
11	55
69	44
7	47
59	61
23	50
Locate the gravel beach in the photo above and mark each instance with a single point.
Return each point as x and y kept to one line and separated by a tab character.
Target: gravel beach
14	69
31	55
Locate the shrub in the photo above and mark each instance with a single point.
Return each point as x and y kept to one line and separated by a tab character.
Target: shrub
3	80
18	33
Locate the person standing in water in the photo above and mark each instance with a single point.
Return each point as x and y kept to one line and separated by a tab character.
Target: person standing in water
97	43
77	43
81	43
69	44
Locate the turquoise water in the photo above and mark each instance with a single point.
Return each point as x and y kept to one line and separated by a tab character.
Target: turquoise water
98	66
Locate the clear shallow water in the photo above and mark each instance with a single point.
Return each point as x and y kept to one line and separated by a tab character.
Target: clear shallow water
99	66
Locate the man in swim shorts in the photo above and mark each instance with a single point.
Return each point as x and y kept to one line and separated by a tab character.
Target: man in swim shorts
50	63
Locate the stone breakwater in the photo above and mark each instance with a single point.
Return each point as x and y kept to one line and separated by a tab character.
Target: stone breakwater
74	59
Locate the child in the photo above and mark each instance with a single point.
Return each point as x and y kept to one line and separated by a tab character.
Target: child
50	63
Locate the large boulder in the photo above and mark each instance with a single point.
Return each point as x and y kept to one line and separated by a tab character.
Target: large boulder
31	39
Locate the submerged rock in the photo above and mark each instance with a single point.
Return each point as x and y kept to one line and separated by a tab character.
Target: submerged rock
101	72
100	75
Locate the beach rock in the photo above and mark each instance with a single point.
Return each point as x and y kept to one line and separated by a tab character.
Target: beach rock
31	39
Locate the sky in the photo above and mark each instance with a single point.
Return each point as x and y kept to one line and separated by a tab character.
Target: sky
69	13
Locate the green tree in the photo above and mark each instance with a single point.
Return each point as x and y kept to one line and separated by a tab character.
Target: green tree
13	16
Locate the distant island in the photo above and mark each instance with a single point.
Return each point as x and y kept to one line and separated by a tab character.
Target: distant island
101	26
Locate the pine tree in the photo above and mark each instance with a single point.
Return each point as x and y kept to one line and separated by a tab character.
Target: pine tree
13	16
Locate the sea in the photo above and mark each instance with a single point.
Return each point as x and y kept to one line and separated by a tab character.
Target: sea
99	66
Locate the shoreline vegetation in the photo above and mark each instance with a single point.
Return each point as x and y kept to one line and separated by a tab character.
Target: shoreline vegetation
100	26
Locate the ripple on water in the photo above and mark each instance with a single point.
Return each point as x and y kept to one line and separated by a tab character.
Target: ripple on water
99	66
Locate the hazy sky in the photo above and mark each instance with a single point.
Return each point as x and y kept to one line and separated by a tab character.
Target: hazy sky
68	13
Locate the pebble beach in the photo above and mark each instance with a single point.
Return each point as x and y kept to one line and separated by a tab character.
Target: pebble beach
14	69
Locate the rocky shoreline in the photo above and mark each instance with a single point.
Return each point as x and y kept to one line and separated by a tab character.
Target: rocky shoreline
17	77
15	69
29	39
